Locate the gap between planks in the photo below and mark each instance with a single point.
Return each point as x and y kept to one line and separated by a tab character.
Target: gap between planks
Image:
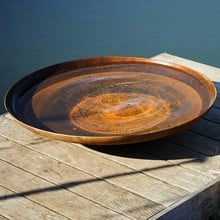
60	201
12	208
105	177
66	184
130	167
175	163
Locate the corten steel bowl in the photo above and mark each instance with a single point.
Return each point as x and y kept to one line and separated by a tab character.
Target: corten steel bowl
110	100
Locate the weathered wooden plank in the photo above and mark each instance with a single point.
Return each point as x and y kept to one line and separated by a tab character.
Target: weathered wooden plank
115	198
166	151
132	180
188	180
44	143
197	206
136	158
207	128
22	208
3	217
100	167
50	196
196	142
10	128
209	166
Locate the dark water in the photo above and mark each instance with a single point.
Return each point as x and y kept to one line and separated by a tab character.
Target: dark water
35	34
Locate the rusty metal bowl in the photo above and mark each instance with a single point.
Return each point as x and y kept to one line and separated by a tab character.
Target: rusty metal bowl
110	100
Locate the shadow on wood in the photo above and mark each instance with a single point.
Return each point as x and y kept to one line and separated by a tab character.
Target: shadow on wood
68	185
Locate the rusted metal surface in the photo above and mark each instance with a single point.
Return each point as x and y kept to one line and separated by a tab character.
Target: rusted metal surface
110	100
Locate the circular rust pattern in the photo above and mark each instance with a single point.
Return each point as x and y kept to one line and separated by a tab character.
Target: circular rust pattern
115	103
110	100
119	113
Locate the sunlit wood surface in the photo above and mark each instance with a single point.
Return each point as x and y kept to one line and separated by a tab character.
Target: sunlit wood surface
177	177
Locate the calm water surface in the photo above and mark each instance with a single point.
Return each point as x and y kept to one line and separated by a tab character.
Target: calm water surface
35	34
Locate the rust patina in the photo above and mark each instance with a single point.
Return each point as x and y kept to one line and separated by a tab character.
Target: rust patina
110	100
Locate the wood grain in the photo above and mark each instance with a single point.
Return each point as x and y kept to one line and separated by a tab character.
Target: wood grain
23	208
197	206
90	187
64	202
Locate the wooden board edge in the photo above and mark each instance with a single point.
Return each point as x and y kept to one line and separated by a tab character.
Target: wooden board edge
199	205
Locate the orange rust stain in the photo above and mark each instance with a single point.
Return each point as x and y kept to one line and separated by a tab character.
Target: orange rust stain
119	113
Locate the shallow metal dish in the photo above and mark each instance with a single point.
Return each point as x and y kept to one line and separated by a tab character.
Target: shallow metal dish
110	100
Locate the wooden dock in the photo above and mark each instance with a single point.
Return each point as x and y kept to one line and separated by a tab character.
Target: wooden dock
177	177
